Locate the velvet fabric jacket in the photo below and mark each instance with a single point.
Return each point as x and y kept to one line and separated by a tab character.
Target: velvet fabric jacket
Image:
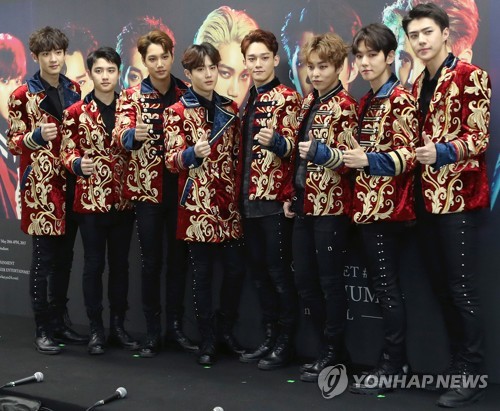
208	188
43	177
328	189
144	173
83	131
388	127
271	170
457	121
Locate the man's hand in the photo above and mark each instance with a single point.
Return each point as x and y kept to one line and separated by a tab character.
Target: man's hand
87	164
287	209
202	148
304	146
265	134
427	153
355	158
48	130
141	130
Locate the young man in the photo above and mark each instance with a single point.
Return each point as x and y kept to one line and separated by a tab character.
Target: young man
153	189
322	198
452	185
384	158
203	140
35	113
269	128
105	218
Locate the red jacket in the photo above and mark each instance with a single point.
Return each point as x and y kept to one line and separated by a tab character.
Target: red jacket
146	164
43	177
458	119
83	130
387	130
208	188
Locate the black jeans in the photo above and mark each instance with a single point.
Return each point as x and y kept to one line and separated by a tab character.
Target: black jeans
382	244
109	232
202	257
51	261
449	249
156	226
319	245
268	251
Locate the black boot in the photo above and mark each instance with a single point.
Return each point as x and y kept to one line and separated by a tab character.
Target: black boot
118	336
463	394
152	344
225	325
271	334
176	336
281	355
44	343
388	368
63	333
332	355
206	354
97	340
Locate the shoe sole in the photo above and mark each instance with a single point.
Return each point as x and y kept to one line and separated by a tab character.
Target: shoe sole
70	342
454	404
249	361
150	355
307	377
47	352
267	367
369	391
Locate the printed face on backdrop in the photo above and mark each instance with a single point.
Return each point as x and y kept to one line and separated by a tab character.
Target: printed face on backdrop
7	86
234	78
77	71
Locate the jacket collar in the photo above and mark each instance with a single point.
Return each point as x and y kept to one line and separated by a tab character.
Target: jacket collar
35	84
148	88
386	90
330	94
266	87
190	100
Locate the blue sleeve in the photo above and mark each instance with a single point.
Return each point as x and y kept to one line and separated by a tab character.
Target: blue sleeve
380	164
322	154
77	167
445	154
189	159
37	137
129	142
278	145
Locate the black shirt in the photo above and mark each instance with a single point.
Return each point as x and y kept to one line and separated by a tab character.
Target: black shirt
107	113
56	98
169	97
209	105
429	86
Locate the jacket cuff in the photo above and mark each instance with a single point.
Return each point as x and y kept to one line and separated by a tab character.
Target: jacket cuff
445	154
189	159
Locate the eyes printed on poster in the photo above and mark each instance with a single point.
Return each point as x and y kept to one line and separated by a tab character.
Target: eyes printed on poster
225	28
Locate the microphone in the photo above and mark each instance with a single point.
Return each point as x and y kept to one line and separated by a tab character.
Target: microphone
37	377
119	393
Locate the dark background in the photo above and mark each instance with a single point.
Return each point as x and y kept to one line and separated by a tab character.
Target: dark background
426	341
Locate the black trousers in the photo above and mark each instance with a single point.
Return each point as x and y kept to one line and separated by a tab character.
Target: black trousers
156	227
268	251
202	257
382	244
106	232
449	250
51	261
319	245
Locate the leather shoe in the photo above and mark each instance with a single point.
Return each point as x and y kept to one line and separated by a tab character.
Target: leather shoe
151	347
65	335
230	344
207	353
120	338
460	397
180	340
97	342
44	344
